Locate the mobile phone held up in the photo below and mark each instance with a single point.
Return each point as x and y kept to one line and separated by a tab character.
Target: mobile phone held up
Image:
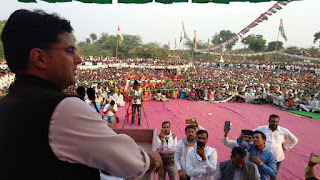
200	144
227	124
315	159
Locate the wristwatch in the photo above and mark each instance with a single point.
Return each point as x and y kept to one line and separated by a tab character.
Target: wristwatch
261	164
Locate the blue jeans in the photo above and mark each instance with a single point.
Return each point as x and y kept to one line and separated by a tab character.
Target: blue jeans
110	119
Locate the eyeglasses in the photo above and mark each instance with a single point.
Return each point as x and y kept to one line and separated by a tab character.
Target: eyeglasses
70	50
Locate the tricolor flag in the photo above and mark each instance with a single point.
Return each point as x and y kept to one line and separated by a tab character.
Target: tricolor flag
281	29
185	34
119	38
195	45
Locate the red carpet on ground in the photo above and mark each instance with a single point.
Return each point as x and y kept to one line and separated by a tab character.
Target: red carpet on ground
242	116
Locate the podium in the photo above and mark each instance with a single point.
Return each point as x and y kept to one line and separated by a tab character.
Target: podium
147	139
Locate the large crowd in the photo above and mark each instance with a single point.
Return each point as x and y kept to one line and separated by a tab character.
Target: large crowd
290	85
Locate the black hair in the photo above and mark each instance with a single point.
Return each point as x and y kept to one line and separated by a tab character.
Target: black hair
190	127
26	30
81	92
202	132
238	150
92	96
262	134
273	116
112	102
165	122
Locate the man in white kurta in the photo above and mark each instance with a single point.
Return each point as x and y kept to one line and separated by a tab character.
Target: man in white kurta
183	147
119	100
201	162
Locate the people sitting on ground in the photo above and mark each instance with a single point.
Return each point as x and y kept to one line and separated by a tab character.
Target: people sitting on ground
146	97
119	101
193	96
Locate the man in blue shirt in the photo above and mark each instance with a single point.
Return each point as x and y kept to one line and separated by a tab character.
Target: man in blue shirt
263	158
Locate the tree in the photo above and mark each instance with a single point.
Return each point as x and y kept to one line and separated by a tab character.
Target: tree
88	40
292	50
317	37
256	42
272	45
223	36
93	37
2	23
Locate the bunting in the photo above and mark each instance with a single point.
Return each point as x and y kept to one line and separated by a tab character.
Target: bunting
267	53
261	18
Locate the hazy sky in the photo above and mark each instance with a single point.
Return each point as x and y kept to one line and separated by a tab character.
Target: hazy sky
156	22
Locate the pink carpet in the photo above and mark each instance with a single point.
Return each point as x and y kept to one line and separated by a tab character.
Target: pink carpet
241	116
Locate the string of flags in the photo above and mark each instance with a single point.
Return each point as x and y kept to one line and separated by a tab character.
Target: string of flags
263	17
266	53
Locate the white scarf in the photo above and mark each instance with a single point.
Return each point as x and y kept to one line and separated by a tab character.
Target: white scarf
170	144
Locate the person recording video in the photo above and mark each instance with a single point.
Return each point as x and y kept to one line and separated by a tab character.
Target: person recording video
136	102
202	159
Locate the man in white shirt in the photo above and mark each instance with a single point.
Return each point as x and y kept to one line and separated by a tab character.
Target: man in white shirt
276	136
119	100
167	143
202	159
184	145
110	111
136	95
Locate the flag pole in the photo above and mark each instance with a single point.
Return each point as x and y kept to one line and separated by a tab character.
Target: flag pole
274	59
117	49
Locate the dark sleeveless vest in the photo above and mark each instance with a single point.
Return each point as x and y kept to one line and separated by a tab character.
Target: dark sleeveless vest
25	152
226	169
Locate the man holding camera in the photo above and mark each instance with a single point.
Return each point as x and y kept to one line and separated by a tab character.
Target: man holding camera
136	102
202	159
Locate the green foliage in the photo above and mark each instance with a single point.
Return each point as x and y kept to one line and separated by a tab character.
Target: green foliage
256	42
317	37
2	23
272	45
93	37
292	50
133	47
222	37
